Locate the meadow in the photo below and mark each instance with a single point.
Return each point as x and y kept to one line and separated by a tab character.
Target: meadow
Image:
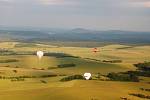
37	86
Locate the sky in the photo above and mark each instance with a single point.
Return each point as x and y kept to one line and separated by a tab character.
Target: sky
90	14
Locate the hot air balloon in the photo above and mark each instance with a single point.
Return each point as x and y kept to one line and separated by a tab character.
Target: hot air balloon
40	54
95	50
87	76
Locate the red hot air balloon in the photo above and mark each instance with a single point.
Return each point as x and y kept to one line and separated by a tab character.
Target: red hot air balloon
95	50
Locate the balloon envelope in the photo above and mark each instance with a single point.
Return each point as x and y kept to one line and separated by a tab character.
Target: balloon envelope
87	76
95	50
40	54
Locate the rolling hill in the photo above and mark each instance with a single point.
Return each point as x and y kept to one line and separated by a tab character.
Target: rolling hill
75	35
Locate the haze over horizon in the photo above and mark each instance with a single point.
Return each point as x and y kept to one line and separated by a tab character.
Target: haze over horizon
133	15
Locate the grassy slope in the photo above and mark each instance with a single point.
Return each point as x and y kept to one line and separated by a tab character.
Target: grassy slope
73	90
33	89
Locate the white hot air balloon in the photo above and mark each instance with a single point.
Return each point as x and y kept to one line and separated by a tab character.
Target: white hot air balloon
40	54
87	76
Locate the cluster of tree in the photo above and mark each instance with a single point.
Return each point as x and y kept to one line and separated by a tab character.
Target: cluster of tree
139	73
112	61
73	77
6	52
45	76
10	52
8	61
22	77
145	89
58	55
141	96
98	75
123	77
66	65
43	81
17	79
93	59
143	66
143	70
125	47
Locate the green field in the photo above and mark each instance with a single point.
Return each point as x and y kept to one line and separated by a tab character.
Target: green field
38	87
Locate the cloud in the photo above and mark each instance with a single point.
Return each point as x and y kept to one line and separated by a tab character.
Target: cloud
139	3
58	2
145	4
71	13
5	1
51	2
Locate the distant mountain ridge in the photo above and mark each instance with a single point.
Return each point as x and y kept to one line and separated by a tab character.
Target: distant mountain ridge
77	34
